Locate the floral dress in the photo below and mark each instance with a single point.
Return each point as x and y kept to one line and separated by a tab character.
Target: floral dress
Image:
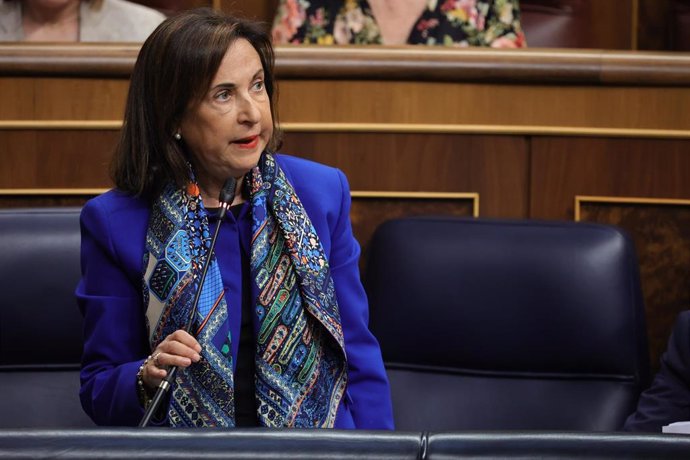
493	23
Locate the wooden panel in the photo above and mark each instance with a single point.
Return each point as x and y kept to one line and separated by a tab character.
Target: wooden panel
494	167
664	25
680	13
611	24
654	22
564	167
604	24
662	240
258	10
35	201
55	158
384	102
62	98
483	104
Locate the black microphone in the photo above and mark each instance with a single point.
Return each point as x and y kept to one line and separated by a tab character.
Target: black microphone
227	195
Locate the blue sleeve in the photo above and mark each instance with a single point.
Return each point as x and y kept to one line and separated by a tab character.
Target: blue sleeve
668	398
368	389
114	329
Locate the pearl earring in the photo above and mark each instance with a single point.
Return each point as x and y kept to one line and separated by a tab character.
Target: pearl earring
178	136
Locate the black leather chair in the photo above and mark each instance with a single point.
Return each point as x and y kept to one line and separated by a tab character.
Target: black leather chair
258	444
557	446
507	325
40	324
164	443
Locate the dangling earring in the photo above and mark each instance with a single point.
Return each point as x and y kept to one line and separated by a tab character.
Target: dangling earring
178	136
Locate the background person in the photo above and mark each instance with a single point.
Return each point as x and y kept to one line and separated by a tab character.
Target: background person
667	400
75	20
281	336
493	23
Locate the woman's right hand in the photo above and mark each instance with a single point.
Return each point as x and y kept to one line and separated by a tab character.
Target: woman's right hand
178	349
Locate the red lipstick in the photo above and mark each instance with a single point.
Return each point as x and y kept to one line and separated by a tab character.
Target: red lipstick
248	142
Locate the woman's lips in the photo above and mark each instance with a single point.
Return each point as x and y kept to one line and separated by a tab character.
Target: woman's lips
248	143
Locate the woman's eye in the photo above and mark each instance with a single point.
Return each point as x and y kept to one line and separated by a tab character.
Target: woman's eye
223	95
258	86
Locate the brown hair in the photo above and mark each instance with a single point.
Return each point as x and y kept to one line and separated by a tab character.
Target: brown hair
174	69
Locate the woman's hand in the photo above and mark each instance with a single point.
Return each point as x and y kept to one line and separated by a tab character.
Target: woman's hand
178	349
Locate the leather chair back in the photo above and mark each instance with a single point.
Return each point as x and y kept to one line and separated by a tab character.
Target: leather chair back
507	325
556	23
40	324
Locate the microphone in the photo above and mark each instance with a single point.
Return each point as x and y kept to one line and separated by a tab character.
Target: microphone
227	195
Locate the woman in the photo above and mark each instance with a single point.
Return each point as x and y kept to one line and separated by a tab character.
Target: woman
76	20
494	23
280	338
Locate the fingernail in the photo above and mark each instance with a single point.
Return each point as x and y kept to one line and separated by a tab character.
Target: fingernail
197	358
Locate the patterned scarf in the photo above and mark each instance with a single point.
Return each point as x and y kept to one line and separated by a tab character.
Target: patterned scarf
301	367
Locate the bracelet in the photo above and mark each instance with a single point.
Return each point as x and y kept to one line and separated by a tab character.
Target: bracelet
142	394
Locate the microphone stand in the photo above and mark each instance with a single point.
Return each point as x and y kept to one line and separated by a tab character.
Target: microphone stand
227	195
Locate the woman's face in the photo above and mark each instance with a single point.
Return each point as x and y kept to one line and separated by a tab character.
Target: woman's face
227	131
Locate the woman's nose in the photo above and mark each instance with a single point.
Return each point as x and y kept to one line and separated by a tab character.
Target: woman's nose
249	110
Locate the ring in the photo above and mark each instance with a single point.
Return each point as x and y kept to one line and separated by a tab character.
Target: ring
155	359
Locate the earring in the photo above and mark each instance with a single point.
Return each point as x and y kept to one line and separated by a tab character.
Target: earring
178	136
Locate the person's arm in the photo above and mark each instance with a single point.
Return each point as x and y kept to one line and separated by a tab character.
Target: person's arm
668	398
368	387
115	342
115	334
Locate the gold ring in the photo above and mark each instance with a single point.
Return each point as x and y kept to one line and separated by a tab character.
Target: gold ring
155	359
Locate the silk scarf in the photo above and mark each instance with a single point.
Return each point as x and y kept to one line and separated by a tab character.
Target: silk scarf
301	366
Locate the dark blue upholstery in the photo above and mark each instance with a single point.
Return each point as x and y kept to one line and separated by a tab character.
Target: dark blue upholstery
516	325
40	324
495	324
164	443
556	445
283	444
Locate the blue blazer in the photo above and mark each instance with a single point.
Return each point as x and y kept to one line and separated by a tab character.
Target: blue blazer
667	400
113	228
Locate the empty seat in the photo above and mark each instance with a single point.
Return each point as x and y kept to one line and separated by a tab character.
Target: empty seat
500	324
40	324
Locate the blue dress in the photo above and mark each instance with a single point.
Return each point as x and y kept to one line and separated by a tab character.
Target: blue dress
113	228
